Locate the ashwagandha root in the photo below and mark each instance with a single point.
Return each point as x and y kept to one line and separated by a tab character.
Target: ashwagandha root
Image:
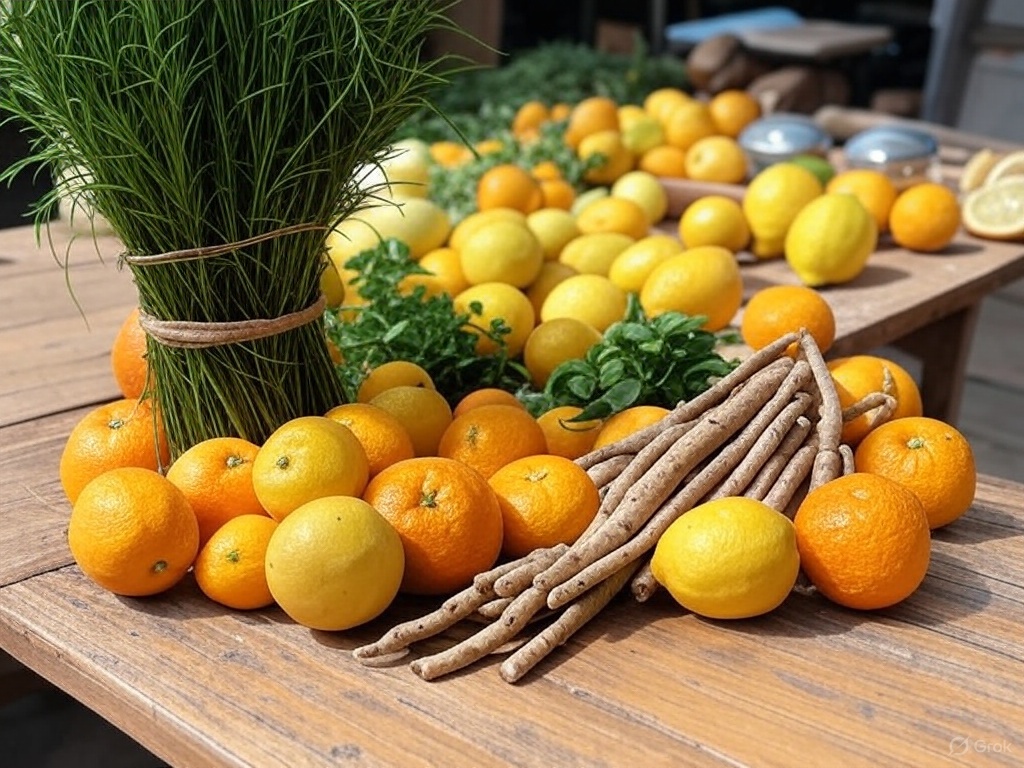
644	585
691	409
561	629
846	453
515	581
827	464
648	494
516	616
868	403
607	470
772	468
795	472
494	608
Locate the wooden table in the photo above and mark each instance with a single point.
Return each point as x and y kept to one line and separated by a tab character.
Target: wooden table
936	680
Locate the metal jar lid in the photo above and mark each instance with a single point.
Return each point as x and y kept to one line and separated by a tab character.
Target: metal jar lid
783	135
888	144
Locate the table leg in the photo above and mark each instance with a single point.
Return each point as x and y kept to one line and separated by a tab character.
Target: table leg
943	347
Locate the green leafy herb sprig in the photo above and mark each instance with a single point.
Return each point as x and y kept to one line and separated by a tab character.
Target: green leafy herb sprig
426	330
660	361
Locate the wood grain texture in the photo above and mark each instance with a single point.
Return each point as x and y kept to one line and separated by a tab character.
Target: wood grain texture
642	684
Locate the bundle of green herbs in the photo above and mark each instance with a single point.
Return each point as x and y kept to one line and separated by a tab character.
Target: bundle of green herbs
207	123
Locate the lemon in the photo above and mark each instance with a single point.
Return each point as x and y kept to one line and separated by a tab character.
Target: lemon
773	199
397	373
424	413
634	265
592	299
419	223
308	458
331	285
551	274
617	160
830	240
645	190
732	558
701	281
643	135
714	220
403	172
498	300
555	341
553	228
349	237
593	254
977	168
501	252
474	221
334	563
630	115
586	198
996	211
1011	164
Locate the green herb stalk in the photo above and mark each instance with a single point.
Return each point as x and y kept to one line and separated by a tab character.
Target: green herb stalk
204	123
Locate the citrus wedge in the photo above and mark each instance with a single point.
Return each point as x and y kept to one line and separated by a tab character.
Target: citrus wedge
996	211
976	169
1011	164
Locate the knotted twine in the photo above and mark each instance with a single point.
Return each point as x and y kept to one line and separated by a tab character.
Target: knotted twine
193	334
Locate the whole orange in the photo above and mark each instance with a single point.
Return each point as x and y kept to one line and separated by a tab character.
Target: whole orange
544	501
128	357
733	110
625	423
567	438
594	114
780	309
666	161
216	478
485	396
382	436
124	433
133	532
508	186
230	568
931	458
858	376
557	193
529	118
925	217
447	517
614	214
874	189
688	124
491	436
863	540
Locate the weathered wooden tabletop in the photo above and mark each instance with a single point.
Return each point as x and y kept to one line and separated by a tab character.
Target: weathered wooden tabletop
937	680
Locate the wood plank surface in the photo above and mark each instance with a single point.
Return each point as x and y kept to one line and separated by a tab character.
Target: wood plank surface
643	684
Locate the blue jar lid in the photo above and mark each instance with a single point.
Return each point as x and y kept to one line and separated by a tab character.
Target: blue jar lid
783	133
889	143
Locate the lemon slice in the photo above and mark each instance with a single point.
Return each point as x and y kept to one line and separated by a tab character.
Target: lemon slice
1009	165
976	169
996	211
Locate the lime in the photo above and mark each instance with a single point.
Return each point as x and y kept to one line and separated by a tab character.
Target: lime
819	166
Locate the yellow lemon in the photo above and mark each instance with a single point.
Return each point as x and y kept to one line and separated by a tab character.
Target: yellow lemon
498	300
404	172
424	413
643	134
701	281
634	265
714	220
617	159
555	341
732	558
645	190
996	211
630	114
445	268
501	252
614	214
421	224
332	286
830	240
349	238
334	563
551	274
662	102
307	458
689	123
474	221
773	199
397	373
553	228
592	299
584	200
716	158
593	254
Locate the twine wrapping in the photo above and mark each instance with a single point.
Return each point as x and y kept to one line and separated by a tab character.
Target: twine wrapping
191	334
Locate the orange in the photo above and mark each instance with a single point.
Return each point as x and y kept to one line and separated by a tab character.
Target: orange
689	123
546	170
489	146
625	423
733	110
397	373
491	436
861	375
716	158
450	154
931	458
133	532
594	114
780	309
863	540
447	517
557	193
661	102
424	413
230	568
508	186
560	111
874	189
544	501
123	433
216	478
925	217
128	357
485	396
565	438
382	436
444	274
666	162
614	214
